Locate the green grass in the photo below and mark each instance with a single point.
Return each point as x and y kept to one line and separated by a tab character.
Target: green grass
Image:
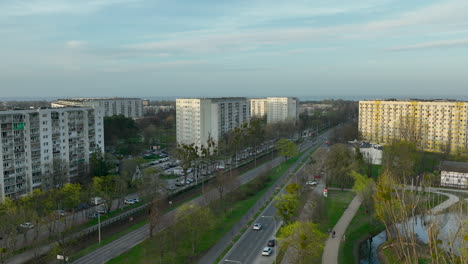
107	240
144	252
361	226
151	158
335	204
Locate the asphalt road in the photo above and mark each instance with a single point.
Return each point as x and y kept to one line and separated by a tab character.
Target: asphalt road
248	249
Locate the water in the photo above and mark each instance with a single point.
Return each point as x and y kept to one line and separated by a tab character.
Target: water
448	224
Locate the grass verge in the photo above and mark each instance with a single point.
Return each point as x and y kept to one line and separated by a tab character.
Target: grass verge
227	216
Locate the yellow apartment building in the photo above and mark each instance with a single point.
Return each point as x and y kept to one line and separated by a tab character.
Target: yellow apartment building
440	126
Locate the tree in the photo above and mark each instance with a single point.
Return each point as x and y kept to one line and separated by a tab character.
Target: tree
105	187
224	181
151	189
71	194
287	148
10	218
256	134
293	188
305	238
364	188
187	155
98	164
340	162
286	205
194	221
401	159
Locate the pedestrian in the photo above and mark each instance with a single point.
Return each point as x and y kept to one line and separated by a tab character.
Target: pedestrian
333	234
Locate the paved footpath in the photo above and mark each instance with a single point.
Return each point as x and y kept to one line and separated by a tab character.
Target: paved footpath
332	246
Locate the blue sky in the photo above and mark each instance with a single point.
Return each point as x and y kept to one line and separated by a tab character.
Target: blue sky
371	48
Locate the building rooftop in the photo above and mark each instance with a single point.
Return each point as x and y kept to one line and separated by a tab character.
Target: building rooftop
454	166
97	99
418	100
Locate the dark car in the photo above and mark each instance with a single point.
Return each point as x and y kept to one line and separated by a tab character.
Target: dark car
271	243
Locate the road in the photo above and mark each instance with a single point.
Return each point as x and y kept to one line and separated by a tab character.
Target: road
248	248
135	237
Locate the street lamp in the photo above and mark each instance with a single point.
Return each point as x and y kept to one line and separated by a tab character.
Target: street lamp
235	261
276	239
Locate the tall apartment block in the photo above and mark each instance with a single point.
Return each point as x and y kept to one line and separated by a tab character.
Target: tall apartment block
258	107
31	141
282	109
129	107
199	119
435	125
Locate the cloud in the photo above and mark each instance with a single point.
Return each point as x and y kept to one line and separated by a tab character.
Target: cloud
439	17
432	44
75	44
44	7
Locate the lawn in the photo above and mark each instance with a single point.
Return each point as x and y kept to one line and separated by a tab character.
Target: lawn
335	204
226	219
362	225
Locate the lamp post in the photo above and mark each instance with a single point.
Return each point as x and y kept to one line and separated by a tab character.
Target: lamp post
99	226
276	239
235	261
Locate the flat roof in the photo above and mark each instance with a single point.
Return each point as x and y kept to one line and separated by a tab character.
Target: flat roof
97	99
417	100
454	166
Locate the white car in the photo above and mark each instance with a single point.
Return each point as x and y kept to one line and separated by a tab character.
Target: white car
267	251
313	183
129	201
257	226
27	225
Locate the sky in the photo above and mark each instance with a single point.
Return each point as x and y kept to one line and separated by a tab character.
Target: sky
152	48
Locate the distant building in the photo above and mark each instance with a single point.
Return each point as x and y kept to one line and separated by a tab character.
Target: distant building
371	153
454	174
276	109
154	109
258	107
282	109
433	125
201	118
129	107
31	141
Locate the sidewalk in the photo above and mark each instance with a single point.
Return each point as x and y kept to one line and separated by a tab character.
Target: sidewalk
332	246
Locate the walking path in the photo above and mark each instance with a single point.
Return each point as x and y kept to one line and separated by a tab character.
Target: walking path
332	246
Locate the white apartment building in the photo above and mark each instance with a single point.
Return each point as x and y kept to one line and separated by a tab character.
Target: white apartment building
32	140
198	119
433	125
282	109
129	107
258	107
454	174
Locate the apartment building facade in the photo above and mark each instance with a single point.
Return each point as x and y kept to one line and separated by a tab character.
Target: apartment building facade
258	107
33	141
201	118
129	107
282	109
440	126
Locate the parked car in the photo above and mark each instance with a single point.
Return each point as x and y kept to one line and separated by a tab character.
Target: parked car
313	183
61	212
257	226
129	201
93	215
267	251
27	225
271	243
172	187
136	200
102	211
